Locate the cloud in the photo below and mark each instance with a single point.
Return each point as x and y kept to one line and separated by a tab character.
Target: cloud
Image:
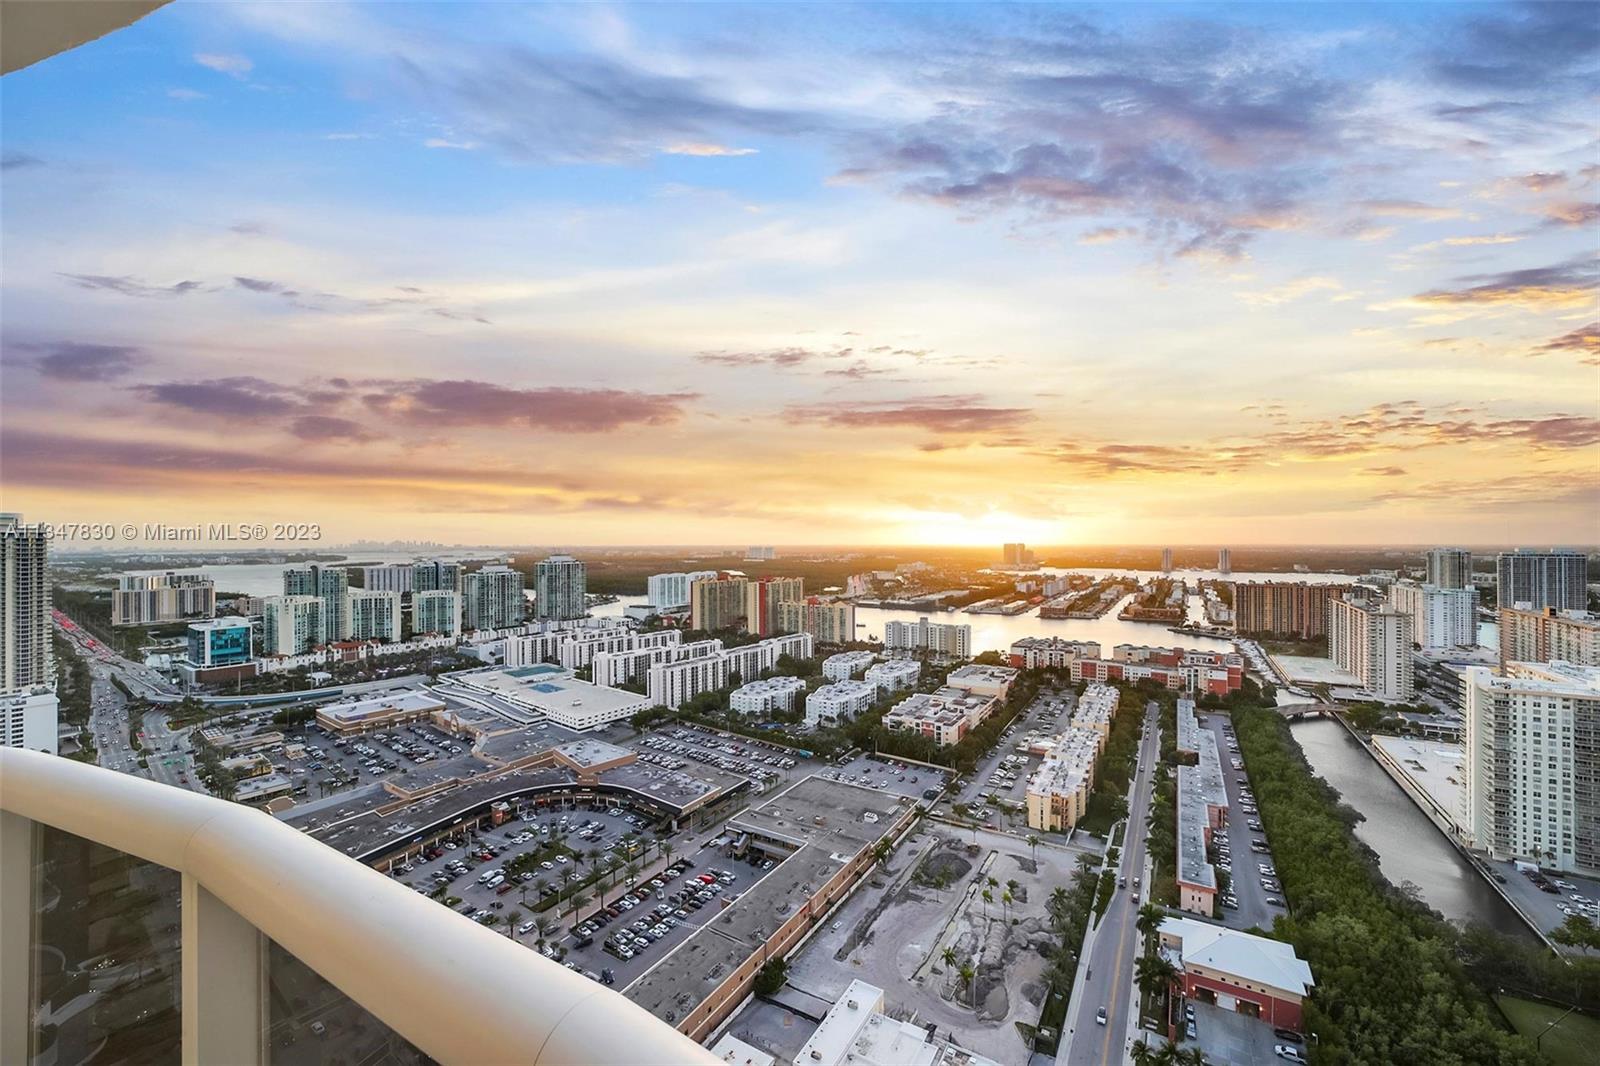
781	358
75	361
1585	340
131	286
936	414
1584	213
1413	209
1107	234
186	94
236	397
1290	291
329	427
11	159
456	145
1385	471
347	136
231	64
1469	241
1563	285
705	148
1530	46
482	403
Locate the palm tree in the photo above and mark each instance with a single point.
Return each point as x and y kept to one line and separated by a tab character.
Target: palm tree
578	900
1005	902
1143	1054
967	974
631	872
1153	974
512	917
948	957
880	852
1189	1056
1150	919
541	927
667	849
1033	842
992	882
988	898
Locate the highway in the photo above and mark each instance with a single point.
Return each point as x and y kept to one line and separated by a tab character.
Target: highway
1107	979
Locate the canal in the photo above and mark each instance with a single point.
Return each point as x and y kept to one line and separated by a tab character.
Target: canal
1409	846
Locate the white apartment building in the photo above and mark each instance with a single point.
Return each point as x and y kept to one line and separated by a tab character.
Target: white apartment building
668	592
436	611
1097	706
617	668
670	684
1531	756
895	675
1440	617
846	665
493	598
581	646
291	625
372	615
842	701
388	577
938	638
767	696
1374	644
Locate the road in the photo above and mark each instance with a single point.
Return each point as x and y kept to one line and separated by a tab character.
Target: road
1253	910
1107	980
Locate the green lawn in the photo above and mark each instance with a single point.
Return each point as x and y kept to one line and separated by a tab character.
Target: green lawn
1572	1042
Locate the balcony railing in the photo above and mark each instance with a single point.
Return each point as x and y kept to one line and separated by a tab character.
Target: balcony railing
273	940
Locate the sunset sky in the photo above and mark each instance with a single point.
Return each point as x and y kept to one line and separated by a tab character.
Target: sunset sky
814	274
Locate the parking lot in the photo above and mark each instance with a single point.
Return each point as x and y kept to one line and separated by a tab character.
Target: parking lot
681	747
1003	772
1229	1038
332	763
911	780
1241	848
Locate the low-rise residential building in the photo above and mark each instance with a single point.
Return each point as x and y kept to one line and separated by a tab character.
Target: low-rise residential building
768	696
896	675
1051	653
846	665
842	701
993	681
1058	791
1238	971
945	716
1096	707
1179	669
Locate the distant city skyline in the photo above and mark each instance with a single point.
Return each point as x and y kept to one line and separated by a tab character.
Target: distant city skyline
1306	274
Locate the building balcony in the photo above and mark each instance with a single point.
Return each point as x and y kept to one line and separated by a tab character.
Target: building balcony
142	922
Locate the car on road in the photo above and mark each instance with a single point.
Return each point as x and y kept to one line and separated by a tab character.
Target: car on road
1288	1051
1100	1016
1288	1034
1274	901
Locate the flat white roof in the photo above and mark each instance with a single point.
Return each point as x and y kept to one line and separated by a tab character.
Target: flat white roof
1246	956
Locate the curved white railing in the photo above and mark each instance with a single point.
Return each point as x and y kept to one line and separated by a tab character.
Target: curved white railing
458	991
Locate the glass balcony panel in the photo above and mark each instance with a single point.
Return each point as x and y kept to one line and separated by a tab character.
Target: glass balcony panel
311	1023
107	971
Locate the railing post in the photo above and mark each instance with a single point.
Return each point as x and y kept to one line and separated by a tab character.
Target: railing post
16	936
222	982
